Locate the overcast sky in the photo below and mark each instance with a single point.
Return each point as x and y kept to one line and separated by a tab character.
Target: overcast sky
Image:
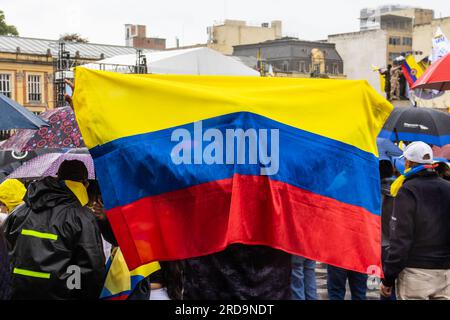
103	21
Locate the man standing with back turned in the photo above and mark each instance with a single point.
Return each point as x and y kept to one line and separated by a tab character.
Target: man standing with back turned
53	239
419	248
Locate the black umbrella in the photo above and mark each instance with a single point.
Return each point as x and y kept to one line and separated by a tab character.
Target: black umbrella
417	124
15	116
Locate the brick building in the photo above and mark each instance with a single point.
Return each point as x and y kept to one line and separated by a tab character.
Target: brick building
136	36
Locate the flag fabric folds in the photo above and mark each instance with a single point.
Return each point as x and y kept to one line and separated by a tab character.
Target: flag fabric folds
411	70
119	281
321	200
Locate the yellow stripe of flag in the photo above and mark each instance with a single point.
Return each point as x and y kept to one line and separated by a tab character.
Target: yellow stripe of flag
416	69
109	106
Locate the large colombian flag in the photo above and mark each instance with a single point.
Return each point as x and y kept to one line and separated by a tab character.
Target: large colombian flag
323	202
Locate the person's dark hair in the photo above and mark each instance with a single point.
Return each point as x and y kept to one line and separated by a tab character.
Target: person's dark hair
442	169
74	170
172	278
389	66
386	169
93	191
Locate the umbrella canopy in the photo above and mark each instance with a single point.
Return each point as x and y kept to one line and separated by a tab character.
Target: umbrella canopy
443	152
387	150
48	164
417	124
436	77
63	132
15	116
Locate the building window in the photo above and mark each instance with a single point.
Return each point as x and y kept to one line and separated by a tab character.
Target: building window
394	41
5	84
317	67
302	67
335	68
407	41
34	89
393	55
285	67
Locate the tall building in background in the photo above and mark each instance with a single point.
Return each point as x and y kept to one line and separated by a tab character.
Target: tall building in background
136	36
385	33
222	37
423	34
370	18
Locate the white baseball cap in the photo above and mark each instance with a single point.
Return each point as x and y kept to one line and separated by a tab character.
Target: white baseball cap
418	152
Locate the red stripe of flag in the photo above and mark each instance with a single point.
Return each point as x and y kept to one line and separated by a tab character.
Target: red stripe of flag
249	210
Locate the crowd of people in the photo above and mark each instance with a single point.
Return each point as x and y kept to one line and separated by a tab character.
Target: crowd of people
56	224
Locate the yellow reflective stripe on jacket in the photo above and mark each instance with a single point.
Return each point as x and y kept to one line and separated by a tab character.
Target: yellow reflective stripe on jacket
37	234
29	273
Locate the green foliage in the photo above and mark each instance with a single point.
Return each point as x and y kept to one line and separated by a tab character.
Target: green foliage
6	29
73	37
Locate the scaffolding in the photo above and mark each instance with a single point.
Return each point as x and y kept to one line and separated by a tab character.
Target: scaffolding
141	62
64	64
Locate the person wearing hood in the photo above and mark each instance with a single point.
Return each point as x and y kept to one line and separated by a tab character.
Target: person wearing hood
12	192
5	276
53	240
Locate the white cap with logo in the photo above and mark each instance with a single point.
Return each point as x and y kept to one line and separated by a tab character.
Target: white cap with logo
418	152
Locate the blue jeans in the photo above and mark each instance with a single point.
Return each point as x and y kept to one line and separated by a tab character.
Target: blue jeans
337	278
303	281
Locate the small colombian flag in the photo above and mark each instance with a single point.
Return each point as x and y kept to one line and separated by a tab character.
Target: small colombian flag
411	70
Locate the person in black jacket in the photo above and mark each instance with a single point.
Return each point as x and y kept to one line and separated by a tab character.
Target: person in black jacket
53	239
418	256
240	272
5	277
387	206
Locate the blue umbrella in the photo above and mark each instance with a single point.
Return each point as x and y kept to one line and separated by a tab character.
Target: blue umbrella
15	116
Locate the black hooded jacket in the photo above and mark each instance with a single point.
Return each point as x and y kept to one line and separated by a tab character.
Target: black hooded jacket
5	277
50	238
420	226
